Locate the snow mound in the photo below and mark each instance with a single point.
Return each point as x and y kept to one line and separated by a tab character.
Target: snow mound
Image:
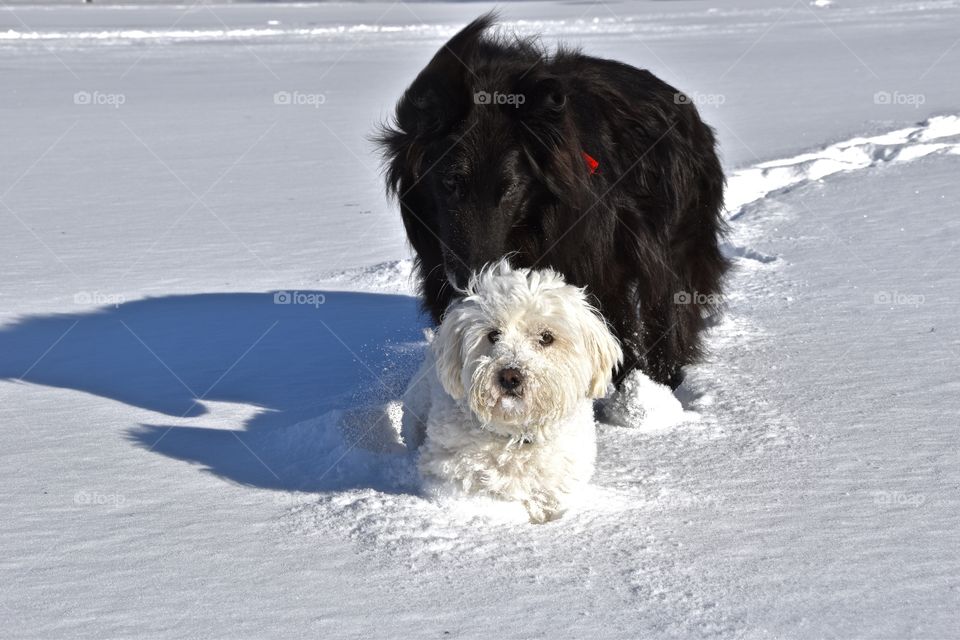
359	483
395	276
749	185
644	405
455	528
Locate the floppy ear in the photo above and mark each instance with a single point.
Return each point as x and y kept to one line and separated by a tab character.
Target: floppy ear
543	110
436	101
448	350
440	96
604	352
550	141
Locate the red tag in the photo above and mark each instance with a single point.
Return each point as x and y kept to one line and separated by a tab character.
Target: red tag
591	163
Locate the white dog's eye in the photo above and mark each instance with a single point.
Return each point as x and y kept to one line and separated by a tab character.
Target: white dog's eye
493	336
546	338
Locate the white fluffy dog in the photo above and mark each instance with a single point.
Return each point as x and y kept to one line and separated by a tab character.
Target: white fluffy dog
502	406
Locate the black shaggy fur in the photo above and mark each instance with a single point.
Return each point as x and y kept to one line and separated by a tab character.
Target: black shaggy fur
479	179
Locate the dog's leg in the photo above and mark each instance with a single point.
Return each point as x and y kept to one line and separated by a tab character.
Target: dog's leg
648	337
624	319
416	404
661	360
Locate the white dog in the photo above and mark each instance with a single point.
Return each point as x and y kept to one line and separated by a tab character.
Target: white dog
502	406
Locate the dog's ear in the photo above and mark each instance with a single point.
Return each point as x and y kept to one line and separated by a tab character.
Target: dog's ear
448	350
549	138
543	110
604	352
545	96
440	96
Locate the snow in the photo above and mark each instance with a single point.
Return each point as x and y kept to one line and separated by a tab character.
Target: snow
645	406
206	320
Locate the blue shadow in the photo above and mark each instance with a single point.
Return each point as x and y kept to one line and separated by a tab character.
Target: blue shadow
295	362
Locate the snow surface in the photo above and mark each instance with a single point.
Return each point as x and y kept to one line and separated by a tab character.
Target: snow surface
206	319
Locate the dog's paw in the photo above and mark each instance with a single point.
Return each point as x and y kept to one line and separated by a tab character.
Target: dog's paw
541	512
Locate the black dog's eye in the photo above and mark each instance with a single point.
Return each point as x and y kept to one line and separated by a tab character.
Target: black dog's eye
493	336
509	190
546	338
453	184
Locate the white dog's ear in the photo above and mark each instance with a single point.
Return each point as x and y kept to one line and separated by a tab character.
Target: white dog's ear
603	350
448	349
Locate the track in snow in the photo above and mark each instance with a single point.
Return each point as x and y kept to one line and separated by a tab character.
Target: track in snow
383	508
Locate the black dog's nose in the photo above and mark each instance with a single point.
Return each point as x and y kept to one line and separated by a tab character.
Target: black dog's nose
510	379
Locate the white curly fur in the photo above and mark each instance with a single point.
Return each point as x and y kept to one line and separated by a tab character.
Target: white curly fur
535	445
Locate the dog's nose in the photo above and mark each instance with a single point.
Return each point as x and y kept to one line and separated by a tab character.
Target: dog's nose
510	379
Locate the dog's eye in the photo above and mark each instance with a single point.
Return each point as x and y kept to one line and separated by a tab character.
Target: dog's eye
493	336
546	338
509	190
453	184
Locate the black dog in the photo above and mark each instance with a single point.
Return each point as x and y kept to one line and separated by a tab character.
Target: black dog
590	166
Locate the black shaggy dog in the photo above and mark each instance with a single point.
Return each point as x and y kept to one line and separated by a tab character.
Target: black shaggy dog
593	167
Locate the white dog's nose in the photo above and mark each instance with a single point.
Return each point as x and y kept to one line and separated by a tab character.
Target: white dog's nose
510	378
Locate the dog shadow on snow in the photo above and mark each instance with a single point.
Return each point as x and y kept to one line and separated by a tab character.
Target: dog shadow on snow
281	393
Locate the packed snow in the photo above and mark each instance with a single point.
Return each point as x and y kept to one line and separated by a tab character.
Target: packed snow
207	317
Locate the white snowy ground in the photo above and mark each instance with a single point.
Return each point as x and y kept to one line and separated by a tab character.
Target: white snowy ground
183	457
